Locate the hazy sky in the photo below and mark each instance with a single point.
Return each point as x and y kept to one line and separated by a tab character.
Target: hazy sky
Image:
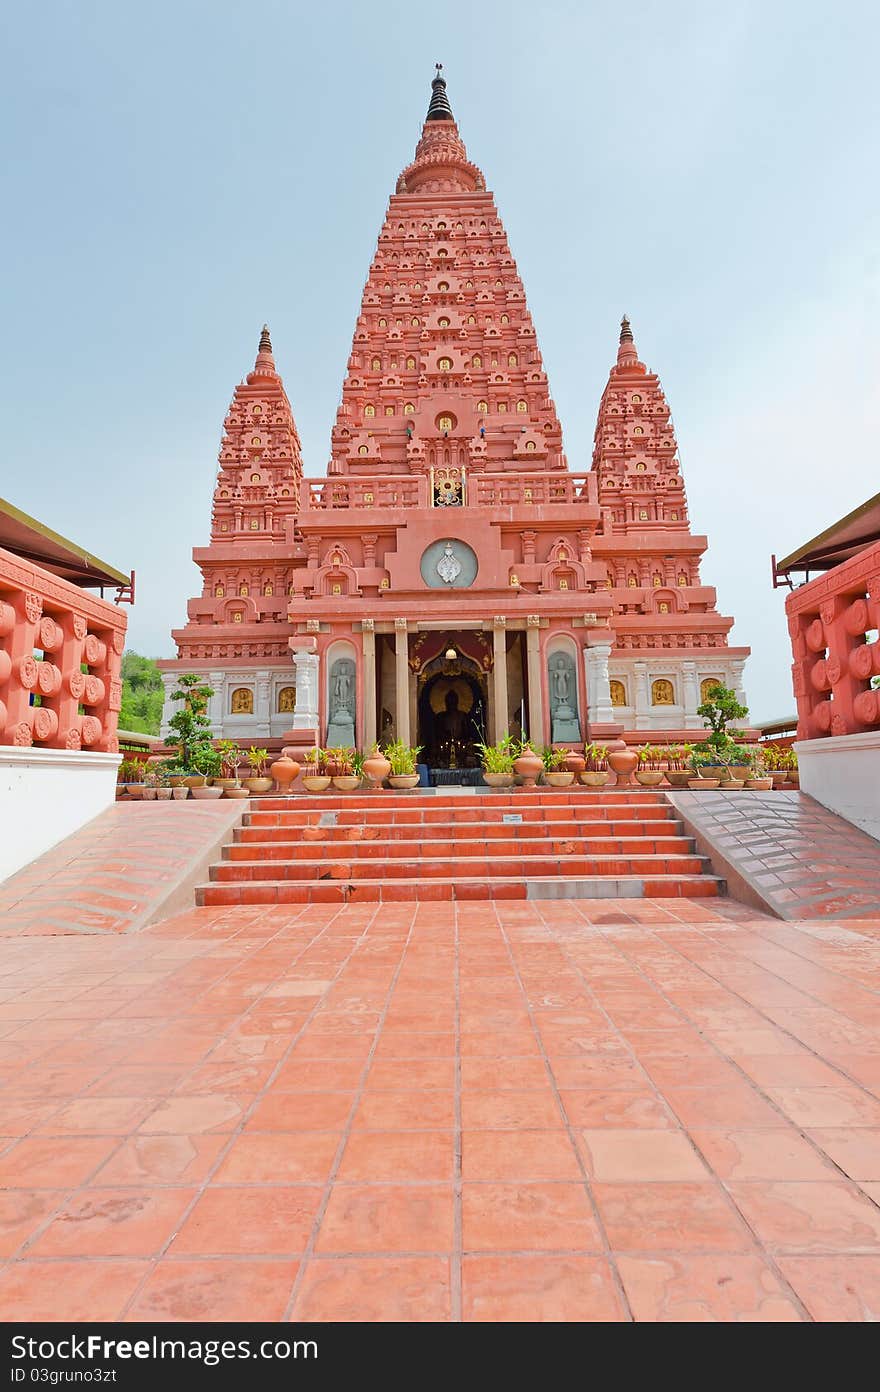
174	174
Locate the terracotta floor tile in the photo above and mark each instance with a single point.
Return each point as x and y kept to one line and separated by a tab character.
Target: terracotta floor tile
215	1290
528	1217
394	1075
318	1075
381	1218
98	1116
301	1111
68	1290
543	1289
113	1223
770	1154
491	1075
836	1288
670	1217
632	1155
22	1212
624	1110
508	1110
230	1221
788	1070
697	1289
294	1157
161	1160
855	1149
740	1106
810	1217
397	1156
47	1162
194	1114
520	1155
406	1111
826	1106
395	1289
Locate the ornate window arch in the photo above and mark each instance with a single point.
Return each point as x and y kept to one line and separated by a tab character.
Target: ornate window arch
618	693
662	692
242	701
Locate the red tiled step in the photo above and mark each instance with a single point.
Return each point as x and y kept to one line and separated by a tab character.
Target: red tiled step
351	842
422	889
448	817
338	865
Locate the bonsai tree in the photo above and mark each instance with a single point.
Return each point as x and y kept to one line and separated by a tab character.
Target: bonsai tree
230	759
718	710
206	761
190	727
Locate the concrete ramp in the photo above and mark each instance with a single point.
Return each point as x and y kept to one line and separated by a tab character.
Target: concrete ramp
784	853
135	864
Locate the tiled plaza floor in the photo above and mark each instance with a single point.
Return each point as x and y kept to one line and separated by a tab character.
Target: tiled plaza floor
583	1111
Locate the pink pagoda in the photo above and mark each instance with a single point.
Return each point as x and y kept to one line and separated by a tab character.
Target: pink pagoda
449	579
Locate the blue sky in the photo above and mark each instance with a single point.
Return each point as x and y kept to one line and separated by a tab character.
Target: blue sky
174	174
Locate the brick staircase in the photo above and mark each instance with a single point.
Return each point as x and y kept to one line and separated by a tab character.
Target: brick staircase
561	844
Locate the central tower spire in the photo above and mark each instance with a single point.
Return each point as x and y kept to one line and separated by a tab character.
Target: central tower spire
439	110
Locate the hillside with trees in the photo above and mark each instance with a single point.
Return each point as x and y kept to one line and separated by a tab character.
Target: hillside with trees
141	694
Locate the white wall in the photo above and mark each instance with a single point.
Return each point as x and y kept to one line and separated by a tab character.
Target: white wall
45	795
843	773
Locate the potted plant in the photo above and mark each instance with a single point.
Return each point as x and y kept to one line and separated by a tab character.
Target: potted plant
527	765
230	758
163	788
717	711
284	771
190	728
760	780
595	774
346	779
650	770
315	779
128	776
498	762
206	762
701	760
790	764
376	767
402	758
554	774
257	761
677	764
150	783
175	774
623	762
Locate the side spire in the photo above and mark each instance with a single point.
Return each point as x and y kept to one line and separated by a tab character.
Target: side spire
439	109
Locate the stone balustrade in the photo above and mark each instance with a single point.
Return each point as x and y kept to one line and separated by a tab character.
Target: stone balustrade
833	622
60	657
481	490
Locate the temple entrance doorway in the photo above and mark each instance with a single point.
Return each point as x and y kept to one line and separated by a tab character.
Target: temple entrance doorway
452	713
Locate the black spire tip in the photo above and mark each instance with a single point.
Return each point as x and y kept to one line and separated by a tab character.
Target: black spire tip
626	333
439	110
265	340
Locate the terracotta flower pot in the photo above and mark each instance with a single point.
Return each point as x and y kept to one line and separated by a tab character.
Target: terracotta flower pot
135	790
677	778
559	778
740	772
178	781
377	769
623	762
593	778
206	794
347	782
779	776
284	771
149	794
223	783
759	785
195	780
703	782
180	794
316	782
498	780
258	784
650	778
731	785
574	762
794	778
528	766
164	794
238	792
404	780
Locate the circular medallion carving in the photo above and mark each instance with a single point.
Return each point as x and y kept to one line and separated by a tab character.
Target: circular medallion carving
449	565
